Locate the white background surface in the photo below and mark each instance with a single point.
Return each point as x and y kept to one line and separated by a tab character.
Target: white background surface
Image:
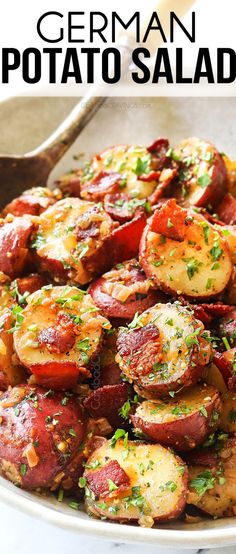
21	534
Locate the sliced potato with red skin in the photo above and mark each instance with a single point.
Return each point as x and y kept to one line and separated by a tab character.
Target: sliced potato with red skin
109	371
33	201
213	376
123	291
203	174
146	483
213	489
11	373
227	209
106	402
71	241
14	240
163	350
228	414
201	457
41	433
60	333
124	240
118	168
182	422
225	361
195	263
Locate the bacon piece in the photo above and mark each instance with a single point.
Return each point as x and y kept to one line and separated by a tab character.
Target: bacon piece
98	481
103	183
142	345
30	284
170	221
60	338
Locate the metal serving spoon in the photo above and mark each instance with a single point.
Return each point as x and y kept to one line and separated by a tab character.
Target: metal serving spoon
18	173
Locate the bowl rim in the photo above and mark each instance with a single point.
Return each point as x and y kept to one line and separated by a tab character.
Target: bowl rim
180	538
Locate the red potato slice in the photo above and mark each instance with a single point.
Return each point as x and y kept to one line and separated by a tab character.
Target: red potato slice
123	166
163	350
213	376
195	262
33	201
225	361
11	373
60	333
227	209
124	240
228	414
71	241
202	175
123	291
213	489
41	433
182	422
14	238
106	402
109	371
202	457
147	483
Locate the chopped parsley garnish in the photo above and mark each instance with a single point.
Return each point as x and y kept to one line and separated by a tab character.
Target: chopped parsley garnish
38	241
111	485
204	180
192	266
142	165
203	482
18	318
216	252
119	434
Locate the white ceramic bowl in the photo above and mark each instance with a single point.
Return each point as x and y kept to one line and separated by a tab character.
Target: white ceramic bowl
120	120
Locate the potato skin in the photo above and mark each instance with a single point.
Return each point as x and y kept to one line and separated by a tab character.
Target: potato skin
219	500
225	363
124	240
11	373
184	422
14	239
121	278
195	262
228	415
227	209
106	402
158	494
202	173
40	434
157	354
60	334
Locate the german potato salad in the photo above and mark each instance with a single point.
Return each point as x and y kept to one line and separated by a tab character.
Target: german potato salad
118	335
